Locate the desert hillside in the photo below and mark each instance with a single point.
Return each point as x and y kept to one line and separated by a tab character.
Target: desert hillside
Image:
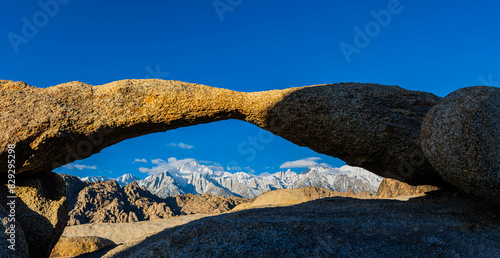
108	202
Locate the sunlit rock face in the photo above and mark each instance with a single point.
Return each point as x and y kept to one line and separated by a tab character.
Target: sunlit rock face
391	188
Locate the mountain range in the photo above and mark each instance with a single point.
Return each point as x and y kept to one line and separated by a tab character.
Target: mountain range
122	180
199	179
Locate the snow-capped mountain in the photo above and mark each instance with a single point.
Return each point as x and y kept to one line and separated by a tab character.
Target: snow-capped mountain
122	180
198	179
126	179
94	178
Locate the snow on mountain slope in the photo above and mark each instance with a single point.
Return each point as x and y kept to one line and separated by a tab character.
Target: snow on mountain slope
198	179
122	180
94	178
126	179
162	184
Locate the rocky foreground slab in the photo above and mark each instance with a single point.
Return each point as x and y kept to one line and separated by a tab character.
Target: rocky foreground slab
442	224
75	238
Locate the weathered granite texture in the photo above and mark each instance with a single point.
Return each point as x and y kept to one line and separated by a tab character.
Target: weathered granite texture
461	138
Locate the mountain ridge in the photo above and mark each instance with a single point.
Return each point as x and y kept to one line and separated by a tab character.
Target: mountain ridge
194	178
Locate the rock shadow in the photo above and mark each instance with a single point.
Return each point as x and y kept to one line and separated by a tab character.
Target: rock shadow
443	223
41	210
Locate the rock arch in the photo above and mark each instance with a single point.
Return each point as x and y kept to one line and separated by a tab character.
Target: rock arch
373	126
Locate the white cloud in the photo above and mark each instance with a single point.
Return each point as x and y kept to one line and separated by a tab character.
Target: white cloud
79	167
161	165
208	162
143	170
141	160
173	164
265	174
215	167
159	161
302	163
249	170
234	168
182	145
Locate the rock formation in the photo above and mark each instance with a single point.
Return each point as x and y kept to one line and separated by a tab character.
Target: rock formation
41	210
73	187
461	138
121	233
107	201
391	188
372	126
18	242
99	202
367	125
146	206
206	203
442	224
75	246
285	197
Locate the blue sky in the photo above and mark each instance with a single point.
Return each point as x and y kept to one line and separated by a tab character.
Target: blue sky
434	46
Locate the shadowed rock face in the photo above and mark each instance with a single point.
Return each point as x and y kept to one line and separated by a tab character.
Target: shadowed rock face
442	224
368	125
41	210
461	138
20	244
372	126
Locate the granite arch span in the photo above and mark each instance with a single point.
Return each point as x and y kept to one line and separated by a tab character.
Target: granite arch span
372	126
